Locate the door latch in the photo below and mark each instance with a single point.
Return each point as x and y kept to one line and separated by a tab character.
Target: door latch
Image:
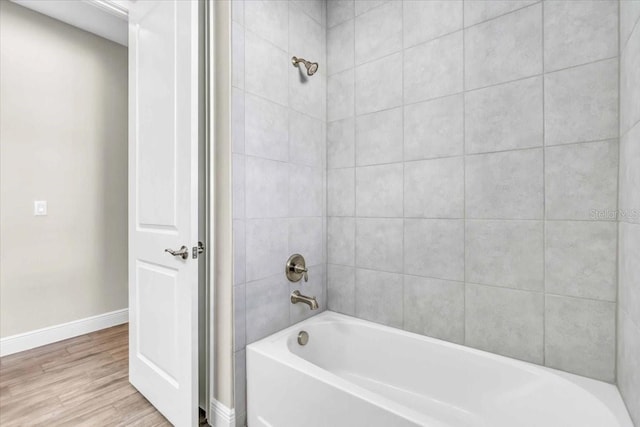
197	250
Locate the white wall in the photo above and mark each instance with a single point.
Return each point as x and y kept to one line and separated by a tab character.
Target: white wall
63	130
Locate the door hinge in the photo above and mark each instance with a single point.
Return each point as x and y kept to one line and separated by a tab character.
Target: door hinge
197	250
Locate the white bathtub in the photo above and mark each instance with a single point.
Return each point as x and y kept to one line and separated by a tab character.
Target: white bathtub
357	373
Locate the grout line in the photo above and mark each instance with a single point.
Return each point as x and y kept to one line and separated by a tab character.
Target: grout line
617	273
464	179
404	165
544	208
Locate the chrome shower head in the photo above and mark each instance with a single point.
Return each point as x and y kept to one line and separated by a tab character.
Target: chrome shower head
311	67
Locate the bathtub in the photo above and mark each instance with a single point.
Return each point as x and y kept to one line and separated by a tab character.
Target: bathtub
357	373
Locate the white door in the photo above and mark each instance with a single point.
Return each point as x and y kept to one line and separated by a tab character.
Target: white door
163	205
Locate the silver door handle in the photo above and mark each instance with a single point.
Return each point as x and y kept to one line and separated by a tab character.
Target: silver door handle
183	252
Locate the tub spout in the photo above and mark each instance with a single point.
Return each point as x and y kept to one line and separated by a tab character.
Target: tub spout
297	297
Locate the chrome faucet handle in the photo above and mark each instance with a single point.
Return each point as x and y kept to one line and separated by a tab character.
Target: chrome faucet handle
302	269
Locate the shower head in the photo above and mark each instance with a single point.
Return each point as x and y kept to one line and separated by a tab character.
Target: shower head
311	67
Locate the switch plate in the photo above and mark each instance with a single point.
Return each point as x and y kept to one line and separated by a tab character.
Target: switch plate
40	207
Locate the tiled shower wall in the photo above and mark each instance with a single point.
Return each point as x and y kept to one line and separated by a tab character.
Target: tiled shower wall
279	167
629	213
472	173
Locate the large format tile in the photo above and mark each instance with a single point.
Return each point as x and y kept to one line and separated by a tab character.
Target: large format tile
426	20
267	305
238	177
580	259
433	69
239	251
630	82
340	47
267	247
379	137
477	11
505	321
237	120
581	180
379	85
434	128
266	129
379	244
307	94
629	194
267	188
379	297
306	140
239	316
577	32
362	6
581	103
434	188
379	190
270	81
580	336
506	185
307	37
629	15
434	248
492	58
306	190
505	253
629	270
269	20
305	237
628	374
237	55
339	11
340	95
434	308
341	192
341	144
341	289
378	32
341	240
504	117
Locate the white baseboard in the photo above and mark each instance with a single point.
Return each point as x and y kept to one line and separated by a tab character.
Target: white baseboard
51	334
220	415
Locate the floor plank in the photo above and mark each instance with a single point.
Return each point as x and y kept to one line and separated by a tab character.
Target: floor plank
82	381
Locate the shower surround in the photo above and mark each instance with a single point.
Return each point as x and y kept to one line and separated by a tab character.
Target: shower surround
469	158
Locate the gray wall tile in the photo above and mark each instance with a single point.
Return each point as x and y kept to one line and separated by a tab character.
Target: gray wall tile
379	244
629	15
240	387
379	297
426	20
581	103
505	321
306	190
505	253
629	270
341	187
379	137
630	83
339	11
379	190
239	251
492	58
505	185
340	95
341	289
305	237
267	188
434	248
341	144
268	82
306	94
580	259
581	179
434	128
629	192
577	32
267	302
628	374
434	188
239	314
504	117
269	20
237	55
378	32
433	69
312	45
306	140
315	287
267	247
482	10
378	87
580	336
237	120
238	177
361	6
340	47
434	308
341	240
266	129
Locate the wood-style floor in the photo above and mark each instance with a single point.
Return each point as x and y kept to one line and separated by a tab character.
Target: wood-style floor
82	381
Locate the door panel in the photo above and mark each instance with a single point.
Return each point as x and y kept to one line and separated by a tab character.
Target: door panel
163	205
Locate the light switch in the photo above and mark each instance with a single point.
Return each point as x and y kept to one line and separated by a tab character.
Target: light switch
40	207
